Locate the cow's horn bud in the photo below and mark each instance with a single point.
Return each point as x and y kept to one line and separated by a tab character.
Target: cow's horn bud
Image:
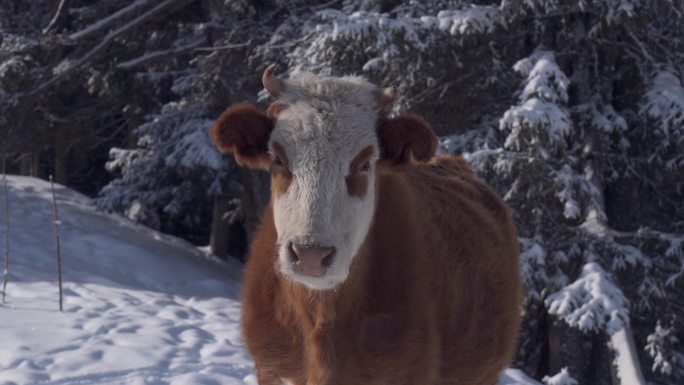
386	97
273	85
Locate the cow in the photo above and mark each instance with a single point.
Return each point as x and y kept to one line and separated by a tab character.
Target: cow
376	261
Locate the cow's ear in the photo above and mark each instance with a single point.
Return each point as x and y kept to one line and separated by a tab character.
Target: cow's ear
404	139
244	131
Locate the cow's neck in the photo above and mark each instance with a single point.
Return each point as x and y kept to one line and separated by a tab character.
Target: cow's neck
319	313
321	309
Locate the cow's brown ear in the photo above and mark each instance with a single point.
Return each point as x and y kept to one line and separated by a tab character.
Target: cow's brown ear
244	131
404	139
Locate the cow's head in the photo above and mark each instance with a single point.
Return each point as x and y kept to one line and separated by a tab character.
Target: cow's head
324	140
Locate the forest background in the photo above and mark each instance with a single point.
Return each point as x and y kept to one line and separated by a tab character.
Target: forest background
572	109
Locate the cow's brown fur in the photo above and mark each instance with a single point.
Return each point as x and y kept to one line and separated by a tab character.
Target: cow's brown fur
432	297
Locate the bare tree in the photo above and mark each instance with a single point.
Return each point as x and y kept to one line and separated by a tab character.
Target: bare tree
5	270
59	254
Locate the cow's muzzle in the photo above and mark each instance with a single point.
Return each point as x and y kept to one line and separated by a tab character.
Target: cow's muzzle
311	260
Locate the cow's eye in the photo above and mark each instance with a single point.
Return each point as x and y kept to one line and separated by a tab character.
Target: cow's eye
365	166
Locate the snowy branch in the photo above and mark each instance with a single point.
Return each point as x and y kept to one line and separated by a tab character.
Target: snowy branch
165	5
592	303
225	47
152	56
58	12
124	12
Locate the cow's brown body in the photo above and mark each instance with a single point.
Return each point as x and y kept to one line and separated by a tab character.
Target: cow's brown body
432	297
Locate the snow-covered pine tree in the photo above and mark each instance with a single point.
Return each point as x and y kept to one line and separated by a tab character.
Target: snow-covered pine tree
605	240
172	178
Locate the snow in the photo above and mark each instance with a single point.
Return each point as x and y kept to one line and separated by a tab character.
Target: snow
591	303
195	149
140	307
663	104
626	359
541	116
535	114
545	80
516	377
474	19
656	348
532	262
562	378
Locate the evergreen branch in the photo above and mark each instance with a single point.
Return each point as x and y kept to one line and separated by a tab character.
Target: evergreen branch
644	51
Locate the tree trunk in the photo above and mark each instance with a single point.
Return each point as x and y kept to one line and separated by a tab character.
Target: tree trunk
572	349
220	228
29	164
255	197
533	348
555	346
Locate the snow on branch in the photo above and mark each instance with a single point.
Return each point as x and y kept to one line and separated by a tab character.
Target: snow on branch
664	104
574	190
125	12
532	265
536	123
195	149
545	80
591	303
541	121
330	29
475	19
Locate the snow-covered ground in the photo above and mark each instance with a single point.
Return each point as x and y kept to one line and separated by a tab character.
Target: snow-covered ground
140	307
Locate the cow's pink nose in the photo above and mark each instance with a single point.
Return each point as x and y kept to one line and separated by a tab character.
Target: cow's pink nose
311	260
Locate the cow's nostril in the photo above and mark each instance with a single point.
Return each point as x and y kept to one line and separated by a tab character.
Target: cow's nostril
328	260
293	254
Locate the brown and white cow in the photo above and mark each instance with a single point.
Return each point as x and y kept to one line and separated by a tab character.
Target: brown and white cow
376	262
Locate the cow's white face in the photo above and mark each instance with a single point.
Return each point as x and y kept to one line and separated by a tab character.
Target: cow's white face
323	147
324	141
